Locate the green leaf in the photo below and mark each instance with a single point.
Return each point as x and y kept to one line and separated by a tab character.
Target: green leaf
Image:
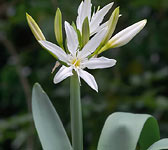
124	131
161	144
47	122
85	31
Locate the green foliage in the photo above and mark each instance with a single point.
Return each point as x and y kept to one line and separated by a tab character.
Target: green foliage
121	130
48	124
18	127
128	131
161	144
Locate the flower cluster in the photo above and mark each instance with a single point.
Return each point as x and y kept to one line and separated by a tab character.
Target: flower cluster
85	40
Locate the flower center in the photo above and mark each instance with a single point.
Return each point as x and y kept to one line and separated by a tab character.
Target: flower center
76	62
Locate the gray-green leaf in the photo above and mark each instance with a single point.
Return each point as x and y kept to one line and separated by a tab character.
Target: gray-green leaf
124	131
47	122
161	144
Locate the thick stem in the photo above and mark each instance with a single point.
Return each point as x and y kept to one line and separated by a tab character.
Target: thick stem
76	113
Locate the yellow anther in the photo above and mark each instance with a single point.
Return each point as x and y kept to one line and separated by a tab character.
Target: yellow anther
76	62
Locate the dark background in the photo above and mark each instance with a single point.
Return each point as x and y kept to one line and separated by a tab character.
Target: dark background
137	84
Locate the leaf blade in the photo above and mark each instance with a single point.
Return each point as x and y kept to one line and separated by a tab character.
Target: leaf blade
161	144
47	122
123	131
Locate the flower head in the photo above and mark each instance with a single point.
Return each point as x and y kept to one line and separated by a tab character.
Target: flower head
89	37
77	59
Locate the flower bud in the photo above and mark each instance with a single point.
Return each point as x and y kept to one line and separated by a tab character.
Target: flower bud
85	31
35	28
111	25
58	27
124	36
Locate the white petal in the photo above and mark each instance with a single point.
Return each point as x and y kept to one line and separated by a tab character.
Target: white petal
54	49
101	62
87	10
62	74
124	36
72	39
89	79
84	11
98	17
80	8
78	22
101	27
92	44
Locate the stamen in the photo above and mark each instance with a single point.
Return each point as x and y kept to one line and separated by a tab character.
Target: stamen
76	62
56	65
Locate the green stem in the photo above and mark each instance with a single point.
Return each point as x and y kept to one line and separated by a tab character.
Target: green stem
76	113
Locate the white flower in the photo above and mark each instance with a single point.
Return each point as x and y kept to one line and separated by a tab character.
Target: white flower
80	55
95	19
77	60
95	25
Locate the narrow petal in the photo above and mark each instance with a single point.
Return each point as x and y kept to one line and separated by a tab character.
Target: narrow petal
84	11
78	22
98	17
124	36
34	28
62	74
80	8
55	50
101	27
89	79
91	46
72	38
88	9
98	63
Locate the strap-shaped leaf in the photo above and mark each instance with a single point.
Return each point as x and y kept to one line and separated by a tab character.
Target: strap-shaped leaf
161	144
47	122
126	131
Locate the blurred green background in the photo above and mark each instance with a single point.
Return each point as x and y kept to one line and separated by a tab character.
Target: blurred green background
138	82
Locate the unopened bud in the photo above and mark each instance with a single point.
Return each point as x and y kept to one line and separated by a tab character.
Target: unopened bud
58	27
34	28
85	31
